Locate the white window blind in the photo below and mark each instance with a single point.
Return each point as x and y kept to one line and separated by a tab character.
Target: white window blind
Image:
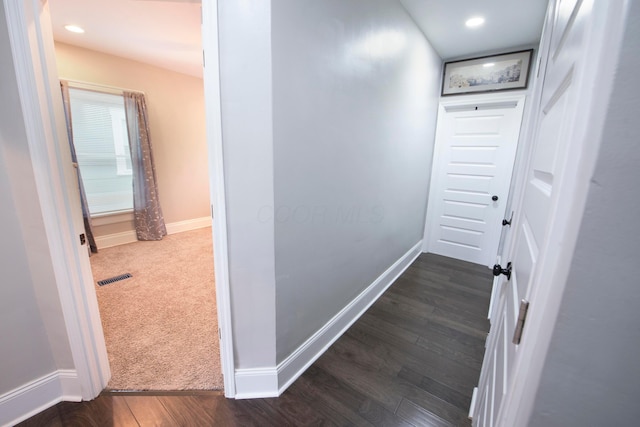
102	148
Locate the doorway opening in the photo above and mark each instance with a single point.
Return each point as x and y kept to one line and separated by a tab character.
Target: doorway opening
160	325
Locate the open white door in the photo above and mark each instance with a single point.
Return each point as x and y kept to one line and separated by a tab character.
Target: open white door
476	141
548	205
31	39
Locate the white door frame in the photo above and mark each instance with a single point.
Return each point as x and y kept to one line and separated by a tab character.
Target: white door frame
463	103
210	44
32	48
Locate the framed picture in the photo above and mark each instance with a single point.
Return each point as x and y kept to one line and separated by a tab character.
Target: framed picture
506	71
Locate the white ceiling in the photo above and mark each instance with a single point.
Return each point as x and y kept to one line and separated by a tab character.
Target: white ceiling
166	33
508	23
162	33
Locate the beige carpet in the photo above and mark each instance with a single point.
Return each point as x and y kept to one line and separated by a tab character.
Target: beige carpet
160	326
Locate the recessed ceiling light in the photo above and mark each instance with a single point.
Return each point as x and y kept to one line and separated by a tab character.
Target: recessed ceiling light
488	64
74	29
474	22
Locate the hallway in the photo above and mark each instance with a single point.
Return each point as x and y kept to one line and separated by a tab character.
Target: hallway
412	359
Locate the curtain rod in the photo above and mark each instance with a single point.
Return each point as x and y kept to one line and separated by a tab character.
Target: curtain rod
99	87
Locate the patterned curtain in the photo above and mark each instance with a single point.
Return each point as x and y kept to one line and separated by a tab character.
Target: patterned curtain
88	228
148	217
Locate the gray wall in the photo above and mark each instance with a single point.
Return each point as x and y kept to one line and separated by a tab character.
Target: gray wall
592	374
24	354
328	120
355	94
33	340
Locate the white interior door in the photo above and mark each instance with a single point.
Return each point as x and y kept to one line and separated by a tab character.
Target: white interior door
475	150
548	180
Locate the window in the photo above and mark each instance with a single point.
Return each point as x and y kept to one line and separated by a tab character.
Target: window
102	147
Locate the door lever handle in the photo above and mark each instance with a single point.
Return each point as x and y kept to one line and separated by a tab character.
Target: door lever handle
507	221
498	270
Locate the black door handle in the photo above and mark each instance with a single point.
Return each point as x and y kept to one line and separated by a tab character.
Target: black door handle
507	221
494	198
498	270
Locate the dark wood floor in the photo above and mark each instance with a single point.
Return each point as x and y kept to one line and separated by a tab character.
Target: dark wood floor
412	359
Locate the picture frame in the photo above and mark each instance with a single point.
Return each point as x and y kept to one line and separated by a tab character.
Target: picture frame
505	71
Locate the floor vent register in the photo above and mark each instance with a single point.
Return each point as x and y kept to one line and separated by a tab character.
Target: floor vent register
114	279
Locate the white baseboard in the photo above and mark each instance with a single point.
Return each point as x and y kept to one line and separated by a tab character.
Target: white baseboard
189	224
271	382
71	387
116	239
38	395
293	366
472	407
256	383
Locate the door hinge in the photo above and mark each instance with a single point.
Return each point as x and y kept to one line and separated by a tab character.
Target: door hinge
211	211
220	334
522	316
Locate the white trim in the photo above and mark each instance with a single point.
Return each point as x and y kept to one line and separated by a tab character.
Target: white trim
486	100
124	237
31	38
213	116
273	381
188	225
116	239
71	390
256	383
35	396
111	218
78	84
472	407
297	362
482	105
